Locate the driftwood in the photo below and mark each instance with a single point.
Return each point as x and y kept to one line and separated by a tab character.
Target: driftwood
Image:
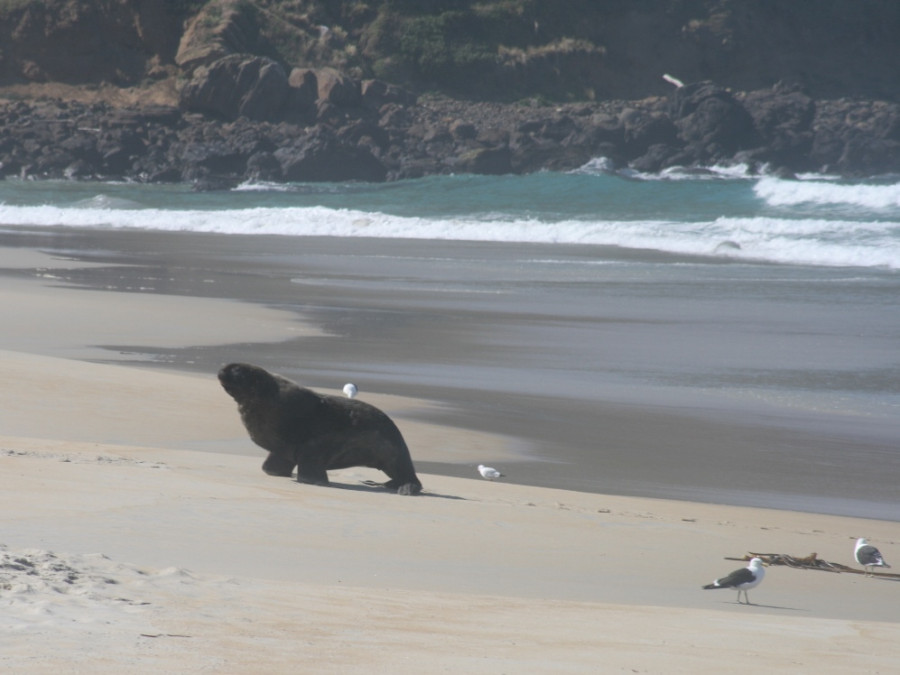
811	562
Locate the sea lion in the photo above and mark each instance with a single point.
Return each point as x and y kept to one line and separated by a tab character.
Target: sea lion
316	432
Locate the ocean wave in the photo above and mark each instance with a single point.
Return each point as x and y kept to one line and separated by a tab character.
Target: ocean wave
777	192
824	242
781	240
690	173
605	166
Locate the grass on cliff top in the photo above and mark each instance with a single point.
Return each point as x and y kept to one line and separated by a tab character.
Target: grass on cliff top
179	7
8	6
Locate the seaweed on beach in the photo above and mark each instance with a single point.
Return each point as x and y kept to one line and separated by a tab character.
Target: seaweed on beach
811	562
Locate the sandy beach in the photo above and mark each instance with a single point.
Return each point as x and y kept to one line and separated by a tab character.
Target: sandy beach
140	535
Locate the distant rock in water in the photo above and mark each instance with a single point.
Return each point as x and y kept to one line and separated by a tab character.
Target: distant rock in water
727	247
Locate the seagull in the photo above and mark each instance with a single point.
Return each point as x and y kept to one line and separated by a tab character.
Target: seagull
350	389
743	579
673	80
488	472
868	556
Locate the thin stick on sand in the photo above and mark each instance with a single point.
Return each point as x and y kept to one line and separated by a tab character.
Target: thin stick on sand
810	562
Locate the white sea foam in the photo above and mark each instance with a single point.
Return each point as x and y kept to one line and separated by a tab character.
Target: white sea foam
264	186
816	242
777	192
715	172
604	165
597	165
783	240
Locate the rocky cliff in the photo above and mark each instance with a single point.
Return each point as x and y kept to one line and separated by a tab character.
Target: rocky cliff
497	50
226	90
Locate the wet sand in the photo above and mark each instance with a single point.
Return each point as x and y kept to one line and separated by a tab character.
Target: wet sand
603	371
139	534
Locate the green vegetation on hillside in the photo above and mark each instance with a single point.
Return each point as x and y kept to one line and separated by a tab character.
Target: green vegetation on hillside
482	49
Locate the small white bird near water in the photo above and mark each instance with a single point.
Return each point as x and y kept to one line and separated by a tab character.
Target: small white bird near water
868	556
351	390
489	472
743	579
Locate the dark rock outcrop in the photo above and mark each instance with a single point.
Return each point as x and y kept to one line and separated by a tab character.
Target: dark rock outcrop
238	85
322	156
856	137
783	117
711	122
340	129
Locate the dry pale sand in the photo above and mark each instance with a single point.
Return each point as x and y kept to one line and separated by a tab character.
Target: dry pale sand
139	535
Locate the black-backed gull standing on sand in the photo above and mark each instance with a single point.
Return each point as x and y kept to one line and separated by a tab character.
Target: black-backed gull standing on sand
488	472
743	579
868	556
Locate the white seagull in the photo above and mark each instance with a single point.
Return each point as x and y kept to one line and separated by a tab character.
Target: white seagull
743	579
350	389
488	472
673	81
868	556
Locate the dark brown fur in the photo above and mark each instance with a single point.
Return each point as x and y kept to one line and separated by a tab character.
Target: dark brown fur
316	432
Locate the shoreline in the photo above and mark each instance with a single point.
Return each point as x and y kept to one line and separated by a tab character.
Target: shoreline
140	535
512	427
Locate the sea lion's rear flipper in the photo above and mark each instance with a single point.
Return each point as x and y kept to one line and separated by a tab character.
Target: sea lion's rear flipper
410	488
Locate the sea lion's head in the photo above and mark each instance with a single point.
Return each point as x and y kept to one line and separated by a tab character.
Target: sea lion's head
244	382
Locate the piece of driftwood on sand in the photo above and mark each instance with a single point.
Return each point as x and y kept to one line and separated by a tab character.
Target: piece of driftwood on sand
810	562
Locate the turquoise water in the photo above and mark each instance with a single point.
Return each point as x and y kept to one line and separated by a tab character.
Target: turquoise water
807	222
